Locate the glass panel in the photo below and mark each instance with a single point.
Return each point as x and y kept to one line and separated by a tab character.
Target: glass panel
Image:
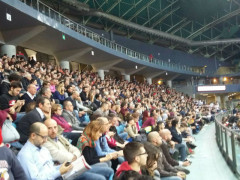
223	140
229	145
237	151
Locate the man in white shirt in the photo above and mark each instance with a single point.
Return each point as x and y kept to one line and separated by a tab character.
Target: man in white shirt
36	160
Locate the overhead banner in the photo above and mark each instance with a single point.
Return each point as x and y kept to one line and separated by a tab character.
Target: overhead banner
210	88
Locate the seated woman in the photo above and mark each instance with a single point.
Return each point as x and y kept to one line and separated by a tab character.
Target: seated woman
151	165
65	126
59	93
114	140
149	121
136	116
86	143
177	138
160	126
131	128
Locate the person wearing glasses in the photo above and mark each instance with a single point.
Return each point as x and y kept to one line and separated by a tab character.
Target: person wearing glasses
36	160
64	125
135	156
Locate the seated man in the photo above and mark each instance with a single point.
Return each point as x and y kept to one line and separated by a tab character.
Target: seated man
29	96
11	98
74	98
36	160
136	157
166	136
61	151
43	107
165	169
69	115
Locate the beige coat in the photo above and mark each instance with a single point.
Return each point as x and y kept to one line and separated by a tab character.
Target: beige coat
61	150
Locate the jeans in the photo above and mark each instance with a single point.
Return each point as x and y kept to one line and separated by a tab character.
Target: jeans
171	178
99	171
182	150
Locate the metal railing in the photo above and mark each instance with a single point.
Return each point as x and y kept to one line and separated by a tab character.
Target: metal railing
228	142
48	11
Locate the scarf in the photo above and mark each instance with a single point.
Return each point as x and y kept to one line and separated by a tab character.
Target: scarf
85	141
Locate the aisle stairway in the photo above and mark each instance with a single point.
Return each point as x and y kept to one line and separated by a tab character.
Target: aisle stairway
208	162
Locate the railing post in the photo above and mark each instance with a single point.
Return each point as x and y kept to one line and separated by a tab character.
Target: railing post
233	153
226	145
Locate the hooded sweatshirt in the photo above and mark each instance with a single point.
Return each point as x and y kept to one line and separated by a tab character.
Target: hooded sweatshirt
124	167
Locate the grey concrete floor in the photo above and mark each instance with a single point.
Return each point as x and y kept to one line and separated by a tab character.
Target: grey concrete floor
208	162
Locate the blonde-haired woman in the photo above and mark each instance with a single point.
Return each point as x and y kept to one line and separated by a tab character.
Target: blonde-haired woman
59	93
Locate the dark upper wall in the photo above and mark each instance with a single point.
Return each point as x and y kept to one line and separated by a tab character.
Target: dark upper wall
175	56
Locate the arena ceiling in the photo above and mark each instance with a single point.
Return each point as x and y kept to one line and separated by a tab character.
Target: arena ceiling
209	28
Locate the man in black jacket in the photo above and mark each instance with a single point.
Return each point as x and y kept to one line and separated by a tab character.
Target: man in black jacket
5	84
11	98
43	109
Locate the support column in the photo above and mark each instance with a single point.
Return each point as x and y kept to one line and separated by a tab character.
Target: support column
127	77
221	80
218	99
224	101
31	53
169	83
8	49
101	74
65	65
149	80
194	96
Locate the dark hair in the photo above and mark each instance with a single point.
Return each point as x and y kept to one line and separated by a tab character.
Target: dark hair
14	77
30	106
97	96
131	150
123	104
41	100
45	83
116	136
175	122
15	84
32	81
158	124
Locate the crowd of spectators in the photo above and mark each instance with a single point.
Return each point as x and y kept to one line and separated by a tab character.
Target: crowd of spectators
52	116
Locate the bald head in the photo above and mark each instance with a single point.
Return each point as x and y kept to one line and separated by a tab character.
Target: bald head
152	135
52	128
166	134
154	138
38	134
37	127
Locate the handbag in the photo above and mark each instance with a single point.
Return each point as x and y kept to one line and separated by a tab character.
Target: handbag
9	132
